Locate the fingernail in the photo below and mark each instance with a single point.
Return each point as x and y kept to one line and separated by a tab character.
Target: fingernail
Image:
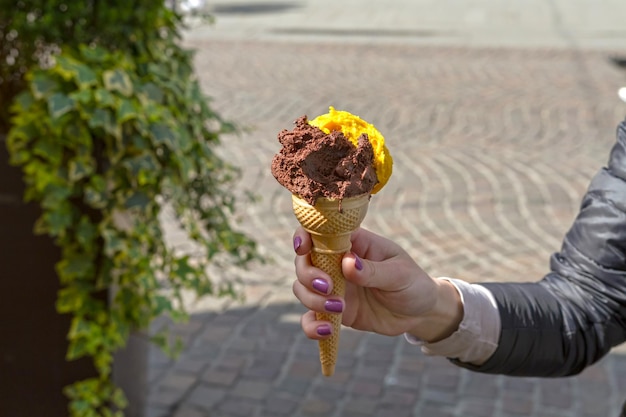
324	330
321	285
297	241
334	306
358	264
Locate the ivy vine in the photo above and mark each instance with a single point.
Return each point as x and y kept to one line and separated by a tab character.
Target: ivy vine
106	139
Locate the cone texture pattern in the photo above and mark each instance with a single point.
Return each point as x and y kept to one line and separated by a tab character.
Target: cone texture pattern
330	228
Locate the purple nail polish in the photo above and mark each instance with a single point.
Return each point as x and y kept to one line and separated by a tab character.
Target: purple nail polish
297	241
324	330
320	285
334	306
358	264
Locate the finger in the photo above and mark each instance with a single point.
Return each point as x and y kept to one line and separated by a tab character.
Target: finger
313	328
317	302
311	277
302	241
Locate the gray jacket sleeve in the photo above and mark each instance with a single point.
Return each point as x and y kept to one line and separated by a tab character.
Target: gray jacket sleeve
576	313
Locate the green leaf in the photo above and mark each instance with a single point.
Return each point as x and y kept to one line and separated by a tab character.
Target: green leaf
70	299
49	150
160	340
42	85
138	199
95	192
118	398
138	142
159	70
183	269
184	140
19	157
58	221
82	96
79	328
163	135
118	80
79	169
102	361
161	304
94	54
77	349
85	76
104	119
186	169
55	195
19	137
86	233
144	164
59	104
81	73
152	92
104	98
113	243
117	330
126	111
100	118
79	136
78	266
23	102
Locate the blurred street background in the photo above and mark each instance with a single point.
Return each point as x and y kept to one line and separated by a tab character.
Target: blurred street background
497	114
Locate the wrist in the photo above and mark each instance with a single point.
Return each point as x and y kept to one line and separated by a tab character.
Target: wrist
444	317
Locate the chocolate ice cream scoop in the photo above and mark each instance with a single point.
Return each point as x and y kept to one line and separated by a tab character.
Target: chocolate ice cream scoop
313	164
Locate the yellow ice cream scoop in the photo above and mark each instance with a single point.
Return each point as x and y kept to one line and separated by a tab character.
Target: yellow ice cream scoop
352	127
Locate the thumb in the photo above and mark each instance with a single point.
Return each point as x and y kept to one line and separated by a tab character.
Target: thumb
387	275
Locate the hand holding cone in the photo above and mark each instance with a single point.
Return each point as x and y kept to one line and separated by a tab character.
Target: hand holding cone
332	165
330	228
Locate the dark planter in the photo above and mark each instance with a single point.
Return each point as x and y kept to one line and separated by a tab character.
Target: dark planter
33	370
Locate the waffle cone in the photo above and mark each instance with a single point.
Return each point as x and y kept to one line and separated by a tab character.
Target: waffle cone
330	223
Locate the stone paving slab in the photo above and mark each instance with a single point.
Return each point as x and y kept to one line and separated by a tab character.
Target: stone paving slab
494	147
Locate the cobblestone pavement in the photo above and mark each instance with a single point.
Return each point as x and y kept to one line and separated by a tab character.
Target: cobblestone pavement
493	150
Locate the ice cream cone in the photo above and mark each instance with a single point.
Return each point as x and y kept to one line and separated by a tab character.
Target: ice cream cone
330	223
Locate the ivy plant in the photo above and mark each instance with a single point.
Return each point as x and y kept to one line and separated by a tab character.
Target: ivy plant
106	139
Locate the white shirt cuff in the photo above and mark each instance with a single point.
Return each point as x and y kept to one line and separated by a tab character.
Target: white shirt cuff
477	336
